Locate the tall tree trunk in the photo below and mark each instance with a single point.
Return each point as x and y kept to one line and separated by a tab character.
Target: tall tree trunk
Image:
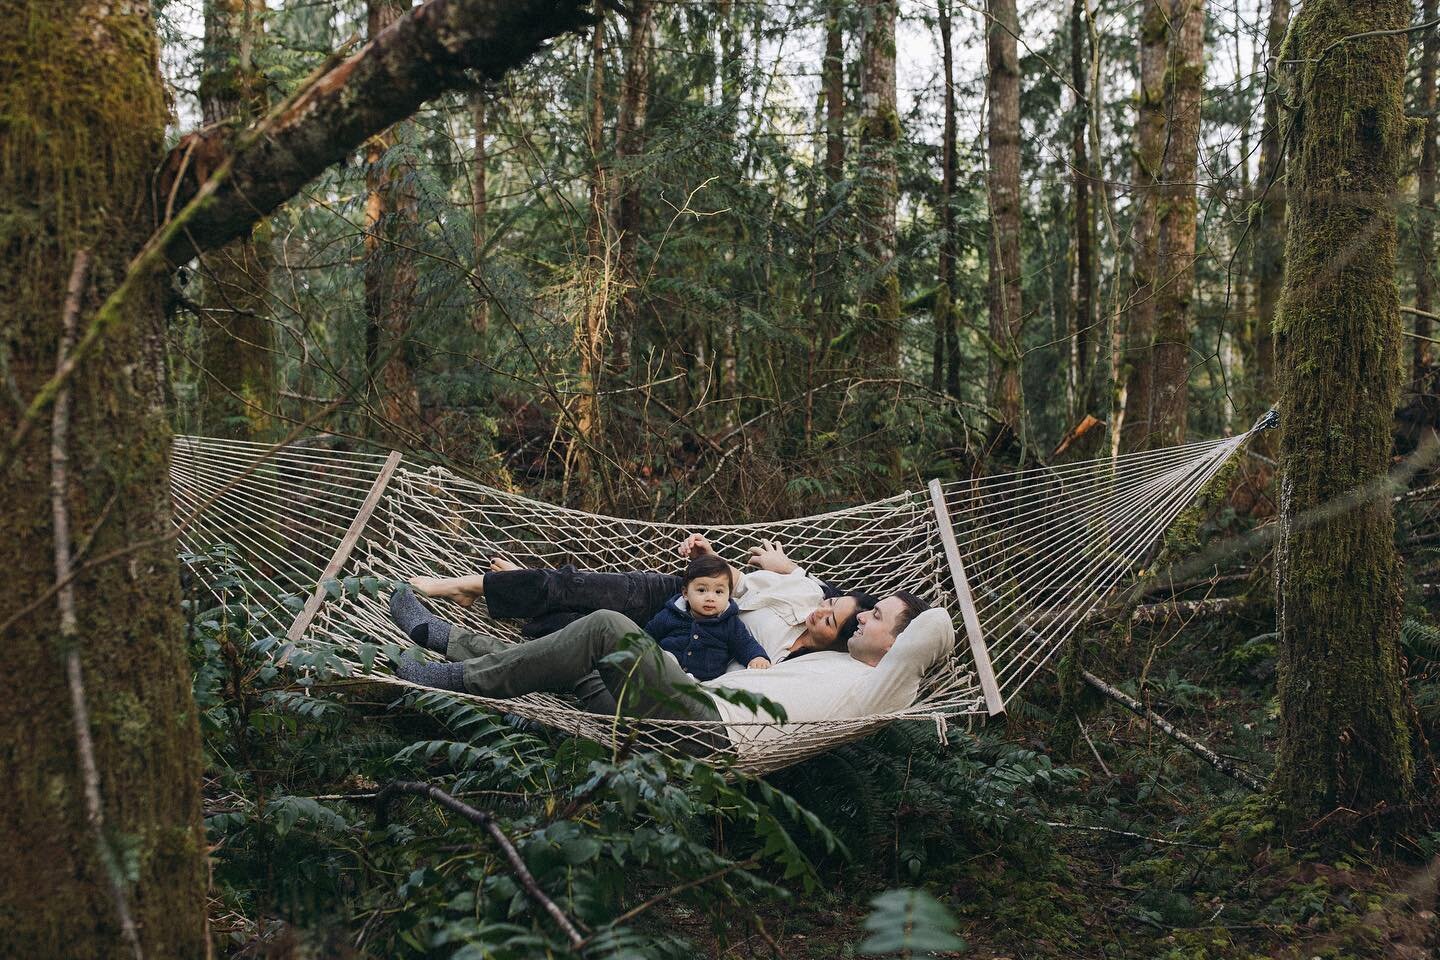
1149	163
945	374
1344	737
1086	331
1425	214
480	204
1175	264
1003	82
879	189
629	145
86	116
1269	243
832	240
597	278
238	350
392	222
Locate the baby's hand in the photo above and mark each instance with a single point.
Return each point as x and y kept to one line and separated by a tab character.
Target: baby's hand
695	544
759	663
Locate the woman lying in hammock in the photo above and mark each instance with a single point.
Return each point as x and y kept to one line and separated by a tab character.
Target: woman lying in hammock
789	613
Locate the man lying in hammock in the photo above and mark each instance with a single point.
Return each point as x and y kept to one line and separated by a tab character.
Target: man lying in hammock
789	613
892	647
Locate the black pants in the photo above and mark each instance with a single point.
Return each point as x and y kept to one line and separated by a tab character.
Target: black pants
550	599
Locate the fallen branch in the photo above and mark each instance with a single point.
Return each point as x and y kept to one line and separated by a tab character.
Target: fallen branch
438	46
1152	613
65	601
507	848
634	912
1227	767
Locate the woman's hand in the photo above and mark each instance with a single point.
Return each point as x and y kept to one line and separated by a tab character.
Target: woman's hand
759	663
769	555
695	545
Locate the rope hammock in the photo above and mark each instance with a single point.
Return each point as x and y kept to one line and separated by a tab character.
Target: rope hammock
1020	559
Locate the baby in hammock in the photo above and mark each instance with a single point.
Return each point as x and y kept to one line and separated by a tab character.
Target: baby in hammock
701	626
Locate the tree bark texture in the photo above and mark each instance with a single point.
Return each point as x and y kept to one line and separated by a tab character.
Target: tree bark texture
879	192
423	54
1269	266
596	280
629	147
1425	209
1149	163
1003	83
85	117
945	373
833	79
392	233
238	344
1344	736
1083	297
1175	262
480	204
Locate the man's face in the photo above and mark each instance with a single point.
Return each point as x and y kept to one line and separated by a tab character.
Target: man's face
875	634
825	622
708	596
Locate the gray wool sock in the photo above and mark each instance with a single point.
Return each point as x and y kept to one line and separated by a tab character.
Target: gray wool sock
441	676
411	615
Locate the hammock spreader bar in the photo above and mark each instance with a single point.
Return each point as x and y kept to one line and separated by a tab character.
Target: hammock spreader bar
984	669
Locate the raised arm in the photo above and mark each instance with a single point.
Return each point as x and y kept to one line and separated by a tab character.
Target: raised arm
769	555
696	544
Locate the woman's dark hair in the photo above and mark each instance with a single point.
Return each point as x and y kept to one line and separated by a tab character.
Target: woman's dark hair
708	565
863	601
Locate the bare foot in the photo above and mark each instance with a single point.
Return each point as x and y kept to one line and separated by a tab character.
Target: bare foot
500	565
462	590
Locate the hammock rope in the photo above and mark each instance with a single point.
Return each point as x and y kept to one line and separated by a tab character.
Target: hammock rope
1019	561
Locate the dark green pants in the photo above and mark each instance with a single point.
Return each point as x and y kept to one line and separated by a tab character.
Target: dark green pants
642	683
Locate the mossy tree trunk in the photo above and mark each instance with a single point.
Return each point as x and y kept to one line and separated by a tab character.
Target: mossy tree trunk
1003	84
879	192
630	133
1139	320
238	351
1425	209
84	130
392	232
1175	263
1344	737
1268	266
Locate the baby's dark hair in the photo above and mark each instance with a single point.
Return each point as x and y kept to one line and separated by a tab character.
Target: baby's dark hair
708	565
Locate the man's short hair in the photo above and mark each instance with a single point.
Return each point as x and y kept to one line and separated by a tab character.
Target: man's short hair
708	565
914	606
863	601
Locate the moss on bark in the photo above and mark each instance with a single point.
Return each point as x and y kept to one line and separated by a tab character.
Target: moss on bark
1344	734
84	116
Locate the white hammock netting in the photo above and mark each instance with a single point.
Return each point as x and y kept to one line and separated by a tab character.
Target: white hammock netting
1036	551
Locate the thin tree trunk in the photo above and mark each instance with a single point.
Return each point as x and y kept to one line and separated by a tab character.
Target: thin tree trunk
1425	214
946	369
1149	164
1344	735
238	390
480	204
1003	81
1086	338
879	193
392	231
1269	244
832	240
629	145
1175	265
86	116
597	279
